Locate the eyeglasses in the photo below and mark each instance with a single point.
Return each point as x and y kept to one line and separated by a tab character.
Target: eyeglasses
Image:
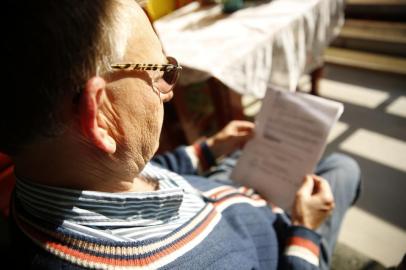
163	82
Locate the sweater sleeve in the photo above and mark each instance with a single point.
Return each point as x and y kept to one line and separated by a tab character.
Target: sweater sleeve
178	161
299	247
192	159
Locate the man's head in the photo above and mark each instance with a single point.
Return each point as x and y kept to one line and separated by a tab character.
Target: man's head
59	82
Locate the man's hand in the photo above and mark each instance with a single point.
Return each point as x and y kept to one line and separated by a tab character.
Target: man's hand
231	137
314	202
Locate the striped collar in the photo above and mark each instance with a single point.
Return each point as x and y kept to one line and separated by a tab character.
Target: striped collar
117	215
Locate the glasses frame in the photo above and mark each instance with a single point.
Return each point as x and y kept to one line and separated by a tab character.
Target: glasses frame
171	66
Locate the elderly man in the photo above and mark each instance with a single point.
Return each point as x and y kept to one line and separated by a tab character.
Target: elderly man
82	106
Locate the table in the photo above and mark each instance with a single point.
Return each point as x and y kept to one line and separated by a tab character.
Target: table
266	43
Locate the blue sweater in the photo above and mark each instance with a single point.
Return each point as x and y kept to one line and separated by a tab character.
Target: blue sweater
235	230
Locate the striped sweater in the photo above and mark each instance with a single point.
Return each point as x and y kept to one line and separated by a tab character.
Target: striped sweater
189	223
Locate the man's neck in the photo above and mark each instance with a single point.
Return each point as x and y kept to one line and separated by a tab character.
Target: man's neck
81	170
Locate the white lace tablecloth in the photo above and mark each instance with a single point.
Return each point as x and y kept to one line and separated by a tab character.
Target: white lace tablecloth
270	43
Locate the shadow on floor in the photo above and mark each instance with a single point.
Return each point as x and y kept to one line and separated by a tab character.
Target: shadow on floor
346	258
383	186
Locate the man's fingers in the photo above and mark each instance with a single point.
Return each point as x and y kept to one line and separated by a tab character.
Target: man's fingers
243	133
326	193
323	191
307	186
243	125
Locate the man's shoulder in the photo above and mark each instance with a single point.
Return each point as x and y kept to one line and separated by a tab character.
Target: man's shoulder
199	182
202	183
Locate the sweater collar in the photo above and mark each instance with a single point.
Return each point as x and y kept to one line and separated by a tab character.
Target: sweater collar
101	209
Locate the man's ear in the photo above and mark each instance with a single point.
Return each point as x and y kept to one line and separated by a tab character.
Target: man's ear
89	108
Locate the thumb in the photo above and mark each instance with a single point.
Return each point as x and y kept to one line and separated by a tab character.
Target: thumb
241	138
307	185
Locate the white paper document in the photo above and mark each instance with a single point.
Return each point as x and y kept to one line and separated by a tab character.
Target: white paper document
290	137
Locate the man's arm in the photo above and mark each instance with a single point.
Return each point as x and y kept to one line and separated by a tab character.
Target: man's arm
300	243
200	156
301	249
180	161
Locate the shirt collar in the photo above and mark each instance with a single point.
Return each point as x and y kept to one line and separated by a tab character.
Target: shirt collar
101	209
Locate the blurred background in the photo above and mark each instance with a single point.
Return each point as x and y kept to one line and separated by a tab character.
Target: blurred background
364	68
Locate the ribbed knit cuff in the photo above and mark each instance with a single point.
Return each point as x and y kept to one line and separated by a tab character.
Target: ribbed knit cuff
303	243
205	155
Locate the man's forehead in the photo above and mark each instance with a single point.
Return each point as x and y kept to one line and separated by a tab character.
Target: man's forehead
141	3
135	7
143	43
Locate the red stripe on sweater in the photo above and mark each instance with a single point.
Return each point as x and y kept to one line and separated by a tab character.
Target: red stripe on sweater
39	236
200	156
303	242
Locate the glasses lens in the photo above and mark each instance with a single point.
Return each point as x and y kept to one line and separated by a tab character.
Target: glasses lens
170	76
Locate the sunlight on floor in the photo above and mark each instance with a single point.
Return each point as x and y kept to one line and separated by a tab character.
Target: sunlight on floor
386	243
338	129
364	232
357	95
377	147
398	107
